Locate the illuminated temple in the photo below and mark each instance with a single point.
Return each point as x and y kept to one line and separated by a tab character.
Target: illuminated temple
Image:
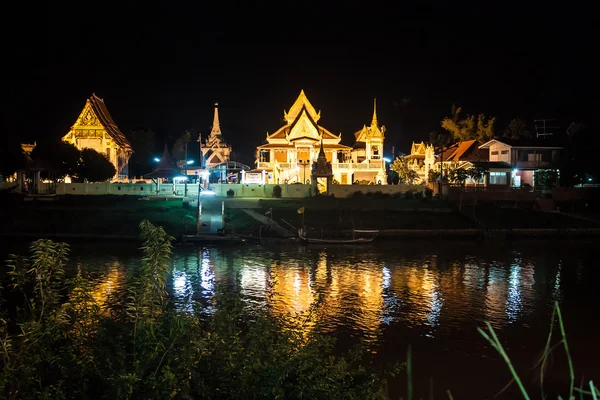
289	152
95	129
214	150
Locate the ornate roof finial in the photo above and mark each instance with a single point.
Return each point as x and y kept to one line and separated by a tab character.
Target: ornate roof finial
216	128
374	121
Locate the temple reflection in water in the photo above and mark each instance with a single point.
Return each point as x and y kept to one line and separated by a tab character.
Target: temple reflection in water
361	294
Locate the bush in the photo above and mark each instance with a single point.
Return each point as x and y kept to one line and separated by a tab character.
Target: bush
358	193
409	195
418	195
428	193
230	193
277	191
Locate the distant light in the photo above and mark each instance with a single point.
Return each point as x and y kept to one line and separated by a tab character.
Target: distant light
180	178
386	159
589	179
156	159
207	193
190	162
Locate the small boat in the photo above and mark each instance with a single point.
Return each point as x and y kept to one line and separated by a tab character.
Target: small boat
362	240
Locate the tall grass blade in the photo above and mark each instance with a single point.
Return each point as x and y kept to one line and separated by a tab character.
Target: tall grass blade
449	395
595	391
493	340
564	340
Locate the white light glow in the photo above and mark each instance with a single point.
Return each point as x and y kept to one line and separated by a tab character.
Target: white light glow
207	193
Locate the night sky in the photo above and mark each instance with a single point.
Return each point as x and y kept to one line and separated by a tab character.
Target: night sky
163	68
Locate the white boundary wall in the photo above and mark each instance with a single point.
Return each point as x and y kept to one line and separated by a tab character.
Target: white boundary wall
220	190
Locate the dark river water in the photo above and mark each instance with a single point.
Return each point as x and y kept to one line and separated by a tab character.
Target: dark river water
429	295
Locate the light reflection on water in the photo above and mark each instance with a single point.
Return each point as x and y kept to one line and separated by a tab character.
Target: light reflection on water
359	293
433	297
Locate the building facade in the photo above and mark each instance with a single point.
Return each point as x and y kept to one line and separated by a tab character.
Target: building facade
525	156
289	152
95	129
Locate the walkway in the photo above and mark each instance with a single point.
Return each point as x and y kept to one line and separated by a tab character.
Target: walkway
266	221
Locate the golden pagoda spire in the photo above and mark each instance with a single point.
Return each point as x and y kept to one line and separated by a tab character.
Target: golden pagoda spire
216	127
374	121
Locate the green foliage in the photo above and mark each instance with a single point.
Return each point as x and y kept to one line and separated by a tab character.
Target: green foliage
545	178
63	345
409	195
95	167
58	157
277	191
472	127
405	174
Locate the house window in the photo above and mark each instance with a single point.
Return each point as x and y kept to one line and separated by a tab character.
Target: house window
494	153
497	178
504	152
534	157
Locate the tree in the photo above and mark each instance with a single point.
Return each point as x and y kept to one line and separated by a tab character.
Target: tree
476	173
60	157
142	141
516	129
12	158
95	167
180	148
472	127
405	173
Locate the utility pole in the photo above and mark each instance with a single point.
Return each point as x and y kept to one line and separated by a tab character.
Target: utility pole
187	137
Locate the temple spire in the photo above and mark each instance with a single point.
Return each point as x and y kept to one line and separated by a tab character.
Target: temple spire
374	121
216	127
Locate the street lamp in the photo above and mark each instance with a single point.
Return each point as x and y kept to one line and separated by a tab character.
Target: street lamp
156	159
304	164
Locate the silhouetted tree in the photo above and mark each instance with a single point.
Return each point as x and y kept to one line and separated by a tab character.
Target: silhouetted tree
142	142
516	129
60	157
12	158
179	148
95	167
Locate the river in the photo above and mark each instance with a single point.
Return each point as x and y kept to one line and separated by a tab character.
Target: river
429	295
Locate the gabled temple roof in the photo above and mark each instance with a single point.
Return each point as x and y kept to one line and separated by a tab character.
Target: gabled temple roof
296	108
107	122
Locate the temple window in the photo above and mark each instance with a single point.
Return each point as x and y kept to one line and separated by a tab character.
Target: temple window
265	156
375	151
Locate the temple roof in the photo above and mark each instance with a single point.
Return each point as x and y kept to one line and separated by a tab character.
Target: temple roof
371	131
107	122
300	103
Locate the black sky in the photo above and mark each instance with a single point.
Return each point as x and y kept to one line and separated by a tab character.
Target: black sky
161	68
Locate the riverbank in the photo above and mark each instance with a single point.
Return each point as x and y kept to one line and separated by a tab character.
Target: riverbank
118	217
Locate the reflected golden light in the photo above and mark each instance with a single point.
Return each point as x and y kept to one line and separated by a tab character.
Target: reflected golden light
110	284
